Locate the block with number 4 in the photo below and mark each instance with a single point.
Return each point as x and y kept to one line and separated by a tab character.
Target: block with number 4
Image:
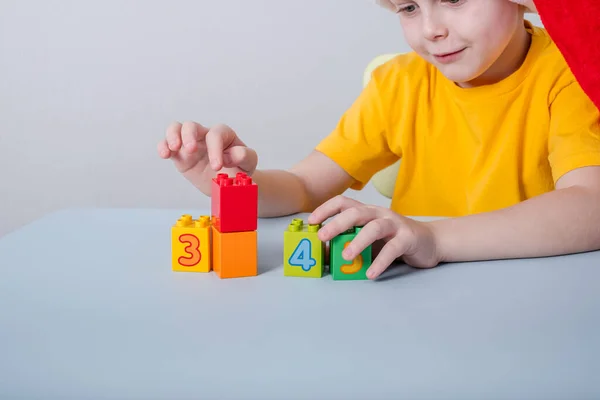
191	244
342	269
303	252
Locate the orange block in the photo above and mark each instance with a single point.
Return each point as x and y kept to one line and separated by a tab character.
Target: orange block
235	254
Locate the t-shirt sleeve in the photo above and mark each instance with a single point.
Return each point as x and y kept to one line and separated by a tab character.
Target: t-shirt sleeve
359	142
574	138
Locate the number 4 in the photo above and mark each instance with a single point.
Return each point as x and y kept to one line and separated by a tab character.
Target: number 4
301	257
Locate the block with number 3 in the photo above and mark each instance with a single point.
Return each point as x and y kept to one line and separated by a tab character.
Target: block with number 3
191	244
303	252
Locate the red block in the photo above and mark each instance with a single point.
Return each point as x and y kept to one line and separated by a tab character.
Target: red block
234	203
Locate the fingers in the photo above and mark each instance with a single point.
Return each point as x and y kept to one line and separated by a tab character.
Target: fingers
181	136
191	134
376	229
163	149
331	207
220	144
351	214
219	138
389	253
171	144
241	157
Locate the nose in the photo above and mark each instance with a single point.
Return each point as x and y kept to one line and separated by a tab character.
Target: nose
434	27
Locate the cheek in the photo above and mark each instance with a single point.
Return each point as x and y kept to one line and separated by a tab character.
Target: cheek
412	37
499	25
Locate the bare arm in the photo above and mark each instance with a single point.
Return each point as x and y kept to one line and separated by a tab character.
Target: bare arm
302	188
566	220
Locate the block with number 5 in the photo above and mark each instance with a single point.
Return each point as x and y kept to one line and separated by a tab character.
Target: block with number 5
343	270
303	252
191	244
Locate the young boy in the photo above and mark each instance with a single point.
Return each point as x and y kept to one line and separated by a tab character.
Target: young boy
492	131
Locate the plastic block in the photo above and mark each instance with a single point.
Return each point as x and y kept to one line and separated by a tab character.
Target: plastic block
234	203
234	253
191	244
303	252
341	269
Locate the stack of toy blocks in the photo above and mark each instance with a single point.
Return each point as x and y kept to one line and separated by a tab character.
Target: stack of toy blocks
234	209
304	253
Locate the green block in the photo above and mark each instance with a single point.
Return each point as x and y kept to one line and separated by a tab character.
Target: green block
303	252
342	270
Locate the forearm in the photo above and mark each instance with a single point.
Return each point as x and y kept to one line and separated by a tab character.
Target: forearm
280	193
560	222
302	188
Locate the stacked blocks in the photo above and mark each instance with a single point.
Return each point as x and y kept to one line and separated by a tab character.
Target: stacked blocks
355	269
234	211
191	244
303	254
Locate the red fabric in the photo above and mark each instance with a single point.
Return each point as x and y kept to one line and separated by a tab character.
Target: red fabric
575	28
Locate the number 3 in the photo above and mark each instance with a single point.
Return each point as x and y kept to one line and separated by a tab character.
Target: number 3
192	249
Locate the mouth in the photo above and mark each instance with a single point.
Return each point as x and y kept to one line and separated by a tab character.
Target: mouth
445	58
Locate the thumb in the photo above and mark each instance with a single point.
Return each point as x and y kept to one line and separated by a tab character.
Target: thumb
241	157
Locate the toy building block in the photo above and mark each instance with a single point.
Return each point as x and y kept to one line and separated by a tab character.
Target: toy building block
191	244
303	251
234	203
341	269
234	253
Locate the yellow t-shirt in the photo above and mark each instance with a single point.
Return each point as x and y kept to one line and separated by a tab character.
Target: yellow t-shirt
465	151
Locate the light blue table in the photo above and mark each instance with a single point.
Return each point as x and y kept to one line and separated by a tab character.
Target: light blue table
89	308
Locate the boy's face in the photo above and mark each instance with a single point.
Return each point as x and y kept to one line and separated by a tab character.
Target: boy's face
471	42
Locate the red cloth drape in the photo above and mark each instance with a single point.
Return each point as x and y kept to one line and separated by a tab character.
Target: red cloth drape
574	26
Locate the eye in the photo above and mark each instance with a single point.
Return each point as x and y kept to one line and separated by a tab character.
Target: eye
407	9
453	2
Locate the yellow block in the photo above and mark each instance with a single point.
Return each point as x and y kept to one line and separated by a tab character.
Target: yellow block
303	252
191	244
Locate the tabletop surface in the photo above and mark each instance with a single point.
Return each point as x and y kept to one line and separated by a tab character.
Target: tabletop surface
90	308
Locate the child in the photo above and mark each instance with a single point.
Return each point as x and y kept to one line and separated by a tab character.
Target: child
492	129
574	26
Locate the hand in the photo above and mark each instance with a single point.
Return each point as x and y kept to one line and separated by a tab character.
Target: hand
199	152
412	241
527	3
